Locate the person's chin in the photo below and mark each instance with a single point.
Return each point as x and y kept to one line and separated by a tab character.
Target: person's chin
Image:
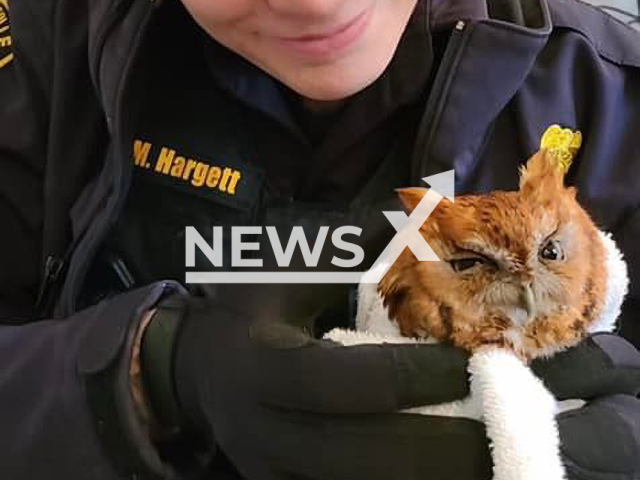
339	81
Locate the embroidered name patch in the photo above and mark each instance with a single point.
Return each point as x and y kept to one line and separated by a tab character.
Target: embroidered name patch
233	182
6	55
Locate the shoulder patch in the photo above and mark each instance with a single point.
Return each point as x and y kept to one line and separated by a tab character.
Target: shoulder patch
6	55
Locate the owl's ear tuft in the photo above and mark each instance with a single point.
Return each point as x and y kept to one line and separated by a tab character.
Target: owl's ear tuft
542	176
411	196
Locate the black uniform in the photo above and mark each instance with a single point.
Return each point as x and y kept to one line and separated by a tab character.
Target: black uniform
112	140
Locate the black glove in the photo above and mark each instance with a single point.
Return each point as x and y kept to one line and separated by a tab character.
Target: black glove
283	405
600	441
603	364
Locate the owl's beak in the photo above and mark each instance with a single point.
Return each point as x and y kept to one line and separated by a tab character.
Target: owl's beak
528	302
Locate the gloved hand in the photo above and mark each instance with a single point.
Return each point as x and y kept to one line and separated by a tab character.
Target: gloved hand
283	405
600	441
602	364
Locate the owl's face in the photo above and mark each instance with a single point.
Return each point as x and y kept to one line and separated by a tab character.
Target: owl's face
525	254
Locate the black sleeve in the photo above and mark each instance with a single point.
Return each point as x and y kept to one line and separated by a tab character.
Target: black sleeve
49	368
24	100
65	405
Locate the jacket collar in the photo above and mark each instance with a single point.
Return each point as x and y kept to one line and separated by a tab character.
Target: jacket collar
493	58
116	31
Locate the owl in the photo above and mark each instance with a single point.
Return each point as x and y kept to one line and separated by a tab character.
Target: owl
522	270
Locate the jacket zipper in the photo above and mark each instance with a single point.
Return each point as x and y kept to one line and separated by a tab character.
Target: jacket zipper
438	96
53	267
54	271
97	232
55	264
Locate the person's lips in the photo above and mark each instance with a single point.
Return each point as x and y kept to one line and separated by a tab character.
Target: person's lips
329	44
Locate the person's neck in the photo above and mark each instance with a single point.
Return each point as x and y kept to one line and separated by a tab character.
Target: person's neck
322	106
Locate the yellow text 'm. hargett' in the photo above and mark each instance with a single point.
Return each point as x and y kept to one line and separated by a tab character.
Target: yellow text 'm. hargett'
198	173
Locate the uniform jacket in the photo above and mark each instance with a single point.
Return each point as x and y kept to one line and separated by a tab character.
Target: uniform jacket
69	85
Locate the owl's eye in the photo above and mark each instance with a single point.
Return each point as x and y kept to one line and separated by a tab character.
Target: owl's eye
551	251
462	264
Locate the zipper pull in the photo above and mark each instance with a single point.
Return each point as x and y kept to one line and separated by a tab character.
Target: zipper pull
53	266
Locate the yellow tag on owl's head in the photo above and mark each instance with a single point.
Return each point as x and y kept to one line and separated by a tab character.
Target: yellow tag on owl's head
562	143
